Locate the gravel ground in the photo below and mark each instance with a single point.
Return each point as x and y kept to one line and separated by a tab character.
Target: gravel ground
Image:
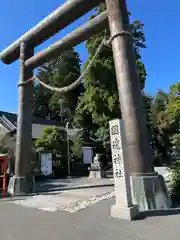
69	200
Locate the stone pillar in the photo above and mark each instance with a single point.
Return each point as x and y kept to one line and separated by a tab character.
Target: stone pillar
22	182
124	208
140	157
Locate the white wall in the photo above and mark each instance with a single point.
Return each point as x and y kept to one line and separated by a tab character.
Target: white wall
37	130
2	131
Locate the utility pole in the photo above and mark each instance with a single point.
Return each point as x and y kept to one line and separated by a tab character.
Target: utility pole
68	150
61	109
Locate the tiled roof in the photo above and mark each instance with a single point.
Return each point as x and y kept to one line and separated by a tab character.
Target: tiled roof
12	117
9	121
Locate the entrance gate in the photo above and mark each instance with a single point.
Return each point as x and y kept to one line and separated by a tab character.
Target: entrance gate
116	17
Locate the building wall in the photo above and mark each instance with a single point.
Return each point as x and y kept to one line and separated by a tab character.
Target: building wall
2	130
37	130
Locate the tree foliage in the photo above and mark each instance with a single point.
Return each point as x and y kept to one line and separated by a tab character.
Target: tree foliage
59	72
164	121
54	141
100	102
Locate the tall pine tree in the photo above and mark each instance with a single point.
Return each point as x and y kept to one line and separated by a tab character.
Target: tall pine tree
100	102
59	72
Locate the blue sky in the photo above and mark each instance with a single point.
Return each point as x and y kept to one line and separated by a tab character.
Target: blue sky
162	33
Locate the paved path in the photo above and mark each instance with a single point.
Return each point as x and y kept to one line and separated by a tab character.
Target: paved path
62	184
70	195
20	223
63	220
70	200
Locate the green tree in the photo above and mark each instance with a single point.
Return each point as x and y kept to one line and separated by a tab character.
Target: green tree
58	73
76	146
173	113
165	121
100	102
158	132
159	102
53	140
173	119
173	106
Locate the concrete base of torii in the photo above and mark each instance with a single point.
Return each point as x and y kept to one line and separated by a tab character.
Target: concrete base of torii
124	213
149	191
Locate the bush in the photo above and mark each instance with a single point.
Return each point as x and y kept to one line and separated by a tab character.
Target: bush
174	170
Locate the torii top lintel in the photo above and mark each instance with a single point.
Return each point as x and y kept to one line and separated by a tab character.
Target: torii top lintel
56	21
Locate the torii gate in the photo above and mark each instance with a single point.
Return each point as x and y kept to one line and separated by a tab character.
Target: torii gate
139	152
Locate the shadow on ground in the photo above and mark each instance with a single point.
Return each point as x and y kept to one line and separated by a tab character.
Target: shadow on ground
50	189
69	184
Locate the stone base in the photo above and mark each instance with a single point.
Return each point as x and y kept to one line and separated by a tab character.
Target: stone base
124	213
21	185
97	174
149	192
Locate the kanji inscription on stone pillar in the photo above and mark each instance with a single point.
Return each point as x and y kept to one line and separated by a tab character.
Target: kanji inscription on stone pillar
123	208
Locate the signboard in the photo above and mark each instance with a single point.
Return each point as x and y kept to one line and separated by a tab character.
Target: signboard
87	155
124	207
120	163
117	148
46	163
